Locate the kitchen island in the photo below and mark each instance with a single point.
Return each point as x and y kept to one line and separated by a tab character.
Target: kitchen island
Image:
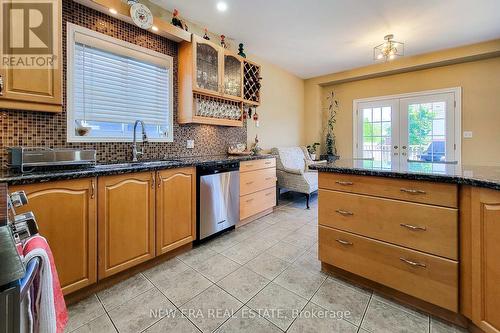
428	235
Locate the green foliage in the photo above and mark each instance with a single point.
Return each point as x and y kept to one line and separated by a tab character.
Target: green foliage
330	141
312	148
419	124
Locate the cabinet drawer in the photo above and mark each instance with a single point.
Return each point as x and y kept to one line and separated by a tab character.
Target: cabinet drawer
421	227
421	275
257	202
257	180
257	164
439	194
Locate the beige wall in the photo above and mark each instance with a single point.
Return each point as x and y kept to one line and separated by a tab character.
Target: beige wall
480	103
281	114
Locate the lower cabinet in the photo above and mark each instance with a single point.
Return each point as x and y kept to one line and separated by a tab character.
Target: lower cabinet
66	216
126	210
175	209
485	255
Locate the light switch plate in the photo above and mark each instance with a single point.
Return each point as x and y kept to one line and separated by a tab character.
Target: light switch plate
190	144
468	134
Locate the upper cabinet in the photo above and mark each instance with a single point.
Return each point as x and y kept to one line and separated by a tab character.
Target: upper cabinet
211	84
34	88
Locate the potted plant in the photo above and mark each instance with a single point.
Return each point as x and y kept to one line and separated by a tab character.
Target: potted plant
312	150
330	140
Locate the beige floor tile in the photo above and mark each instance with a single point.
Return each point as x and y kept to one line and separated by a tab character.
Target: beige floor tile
438	326
301	281
184	286
315	319
243	284
101	324
211	308
382	317
83	312
173	322
298	239
166	270
286	251
338	297
248	321
197	255
216	267
138	313
267	265
242	252
124	291
277	305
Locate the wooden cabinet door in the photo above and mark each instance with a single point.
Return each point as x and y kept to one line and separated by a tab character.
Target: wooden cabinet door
207	62
36	89
175	209
66	215
232	75
486	259
126	212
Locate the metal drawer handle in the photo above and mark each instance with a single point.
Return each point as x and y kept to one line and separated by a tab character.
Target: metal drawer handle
269	178
343	183
249	183
344	242
413	227
92	190
411	191
1	85
249	200
344	212
412	263
268	194
268	162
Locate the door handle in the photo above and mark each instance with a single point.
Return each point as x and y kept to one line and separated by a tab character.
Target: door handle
411	191
344	212
92	189
413	227
413	263
344	242
1	85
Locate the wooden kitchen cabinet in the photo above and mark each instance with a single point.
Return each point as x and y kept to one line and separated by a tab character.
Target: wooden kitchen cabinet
175	209
126	212
35	89
485	258
66	215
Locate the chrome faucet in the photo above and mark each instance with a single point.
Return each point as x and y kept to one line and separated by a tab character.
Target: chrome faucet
135	153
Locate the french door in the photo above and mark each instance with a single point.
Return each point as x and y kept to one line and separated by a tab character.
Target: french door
419	128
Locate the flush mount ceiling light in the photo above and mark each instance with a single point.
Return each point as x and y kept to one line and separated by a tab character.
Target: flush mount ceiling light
113	11
221	6
388	50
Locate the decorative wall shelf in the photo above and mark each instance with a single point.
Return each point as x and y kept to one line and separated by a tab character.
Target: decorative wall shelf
165	29
207	71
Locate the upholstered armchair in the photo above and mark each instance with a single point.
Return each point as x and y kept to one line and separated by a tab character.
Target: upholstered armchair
292	169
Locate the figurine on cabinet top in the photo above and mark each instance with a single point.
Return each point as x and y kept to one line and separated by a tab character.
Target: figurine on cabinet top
205	36
241	52
176	21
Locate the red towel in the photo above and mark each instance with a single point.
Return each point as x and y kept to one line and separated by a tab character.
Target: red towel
50	313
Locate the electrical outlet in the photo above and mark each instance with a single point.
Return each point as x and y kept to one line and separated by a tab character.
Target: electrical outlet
190	144
467	134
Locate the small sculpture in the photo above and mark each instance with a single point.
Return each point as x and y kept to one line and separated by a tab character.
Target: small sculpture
205	36
255	146
223	41
176	21
240	49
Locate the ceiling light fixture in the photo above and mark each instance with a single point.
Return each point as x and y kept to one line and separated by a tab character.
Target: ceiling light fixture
389	50
113	11
221	6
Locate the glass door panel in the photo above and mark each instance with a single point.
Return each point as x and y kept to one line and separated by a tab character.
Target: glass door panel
207	67
232	76
378	133
427	131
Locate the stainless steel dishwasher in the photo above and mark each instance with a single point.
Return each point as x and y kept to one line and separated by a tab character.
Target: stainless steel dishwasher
218	198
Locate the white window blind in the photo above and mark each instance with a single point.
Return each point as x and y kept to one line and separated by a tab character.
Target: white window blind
114	84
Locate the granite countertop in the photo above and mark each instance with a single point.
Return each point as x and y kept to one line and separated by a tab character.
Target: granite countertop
16	178
481	176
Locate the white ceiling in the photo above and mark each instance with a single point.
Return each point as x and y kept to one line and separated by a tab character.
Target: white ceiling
315	37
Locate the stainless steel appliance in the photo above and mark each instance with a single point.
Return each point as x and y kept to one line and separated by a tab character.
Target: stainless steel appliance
218	198
26	158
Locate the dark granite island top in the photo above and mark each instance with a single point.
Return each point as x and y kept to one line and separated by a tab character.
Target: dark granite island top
13	178
481	176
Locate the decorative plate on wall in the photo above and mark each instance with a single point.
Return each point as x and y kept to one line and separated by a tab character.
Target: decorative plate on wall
141	15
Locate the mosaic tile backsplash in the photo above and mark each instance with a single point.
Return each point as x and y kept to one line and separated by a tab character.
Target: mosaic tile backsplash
25	128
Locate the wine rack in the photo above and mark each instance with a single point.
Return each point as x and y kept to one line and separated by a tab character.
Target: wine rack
251	83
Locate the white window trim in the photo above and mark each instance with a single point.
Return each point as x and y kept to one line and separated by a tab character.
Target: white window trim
458	115
70	42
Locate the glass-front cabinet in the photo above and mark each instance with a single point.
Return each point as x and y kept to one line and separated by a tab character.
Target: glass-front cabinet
217	70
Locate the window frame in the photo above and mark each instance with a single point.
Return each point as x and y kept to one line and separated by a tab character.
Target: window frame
457	91
166	60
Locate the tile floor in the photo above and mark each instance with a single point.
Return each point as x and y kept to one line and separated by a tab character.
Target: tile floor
263	277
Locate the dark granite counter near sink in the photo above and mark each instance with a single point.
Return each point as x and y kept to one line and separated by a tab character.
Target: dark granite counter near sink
481	176
13	178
